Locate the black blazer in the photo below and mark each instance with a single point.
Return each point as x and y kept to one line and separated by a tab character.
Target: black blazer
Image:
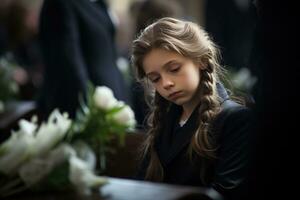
77	40
232	132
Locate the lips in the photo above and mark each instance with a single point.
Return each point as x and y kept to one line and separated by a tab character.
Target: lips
175	95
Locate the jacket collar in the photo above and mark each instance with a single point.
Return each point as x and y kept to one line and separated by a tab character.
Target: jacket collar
222	92
173	139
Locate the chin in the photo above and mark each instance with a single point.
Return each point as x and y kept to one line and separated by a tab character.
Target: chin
179	102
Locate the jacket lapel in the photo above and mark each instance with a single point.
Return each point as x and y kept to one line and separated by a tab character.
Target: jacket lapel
163	142
182	136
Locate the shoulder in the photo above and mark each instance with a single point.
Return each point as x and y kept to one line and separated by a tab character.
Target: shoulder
234	120
231	110
234	140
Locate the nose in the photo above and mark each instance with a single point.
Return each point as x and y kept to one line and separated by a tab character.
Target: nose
167	83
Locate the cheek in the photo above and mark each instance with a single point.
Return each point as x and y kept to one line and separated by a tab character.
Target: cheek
193	80
159	90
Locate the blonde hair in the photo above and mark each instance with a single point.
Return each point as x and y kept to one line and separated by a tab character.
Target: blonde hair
189	40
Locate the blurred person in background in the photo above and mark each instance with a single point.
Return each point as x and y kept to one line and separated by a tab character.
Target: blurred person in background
275	166
19	45
3	30
232	25
78	45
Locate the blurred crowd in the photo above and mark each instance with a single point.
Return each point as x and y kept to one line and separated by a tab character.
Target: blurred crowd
19	44
58	46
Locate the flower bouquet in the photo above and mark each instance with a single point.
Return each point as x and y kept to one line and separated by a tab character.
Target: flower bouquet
102	119
62	154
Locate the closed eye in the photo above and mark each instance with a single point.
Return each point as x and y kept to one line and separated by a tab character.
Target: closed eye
175	69
154	79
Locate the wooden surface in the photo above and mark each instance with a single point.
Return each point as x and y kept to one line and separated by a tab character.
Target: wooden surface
126	189
123	163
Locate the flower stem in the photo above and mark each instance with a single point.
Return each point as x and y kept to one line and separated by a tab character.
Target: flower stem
102	158
12	187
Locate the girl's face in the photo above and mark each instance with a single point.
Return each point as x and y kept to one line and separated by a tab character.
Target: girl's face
175	77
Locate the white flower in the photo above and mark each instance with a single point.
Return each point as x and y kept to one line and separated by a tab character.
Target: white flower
83	177
86	153
37	168
14	152
125	116
18	147
50	133
26	143
60	154
104	98
27	127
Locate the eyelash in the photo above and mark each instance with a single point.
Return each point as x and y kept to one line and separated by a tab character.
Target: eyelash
174	70
155	80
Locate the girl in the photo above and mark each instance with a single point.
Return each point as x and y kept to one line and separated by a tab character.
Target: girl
197	135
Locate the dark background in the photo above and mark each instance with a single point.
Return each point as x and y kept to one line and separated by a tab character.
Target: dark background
274	172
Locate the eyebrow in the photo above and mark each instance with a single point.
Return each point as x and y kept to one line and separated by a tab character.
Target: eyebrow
164	66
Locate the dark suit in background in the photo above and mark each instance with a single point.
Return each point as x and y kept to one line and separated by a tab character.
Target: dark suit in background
276	60
77	40
231	23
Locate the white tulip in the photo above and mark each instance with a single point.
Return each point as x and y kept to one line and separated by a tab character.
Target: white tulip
60	154
50	133
82	177
36	169
17	148
104	98
125	116
86	153
27	127
25	143
14	152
